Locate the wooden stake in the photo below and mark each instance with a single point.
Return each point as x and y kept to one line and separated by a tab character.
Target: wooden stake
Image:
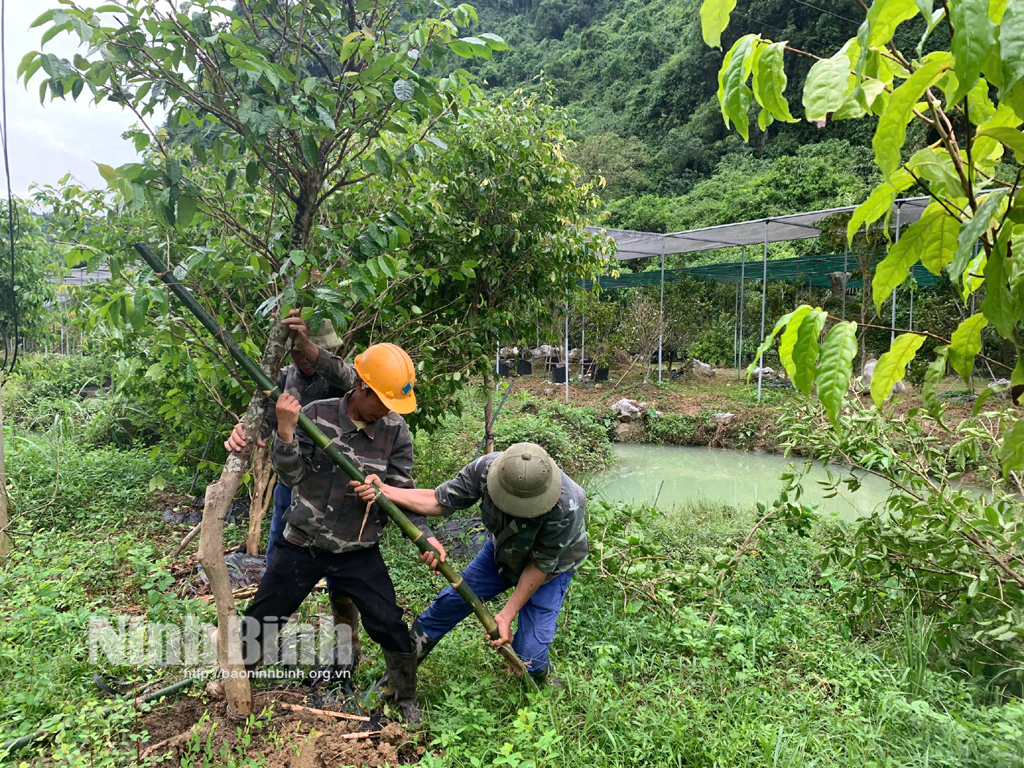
187	540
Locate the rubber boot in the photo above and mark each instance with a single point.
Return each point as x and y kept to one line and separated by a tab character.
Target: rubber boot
402	675
546	677
345	613
422	644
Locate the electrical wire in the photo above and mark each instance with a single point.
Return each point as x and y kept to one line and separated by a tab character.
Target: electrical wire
847	19
7	172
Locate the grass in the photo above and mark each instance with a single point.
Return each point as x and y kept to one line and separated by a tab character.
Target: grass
779	678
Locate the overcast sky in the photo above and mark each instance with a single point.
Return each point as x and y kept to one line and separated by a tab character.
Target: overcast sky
46	141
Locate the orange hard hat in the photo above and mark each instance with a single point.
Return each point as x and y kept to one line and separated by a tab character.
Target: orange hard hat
389	372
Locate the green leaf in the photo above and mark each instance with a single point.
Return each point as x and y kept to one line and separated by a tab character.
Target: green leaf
1010	137
892	125
931	239
404	90
932	376
972	230
108	173
734	96
878	204
461	48
789	336
173	171
252	173
883	18
714	18
966	344
892	366
310	150
186	211
937	169
770	81
835	367
999	305
974	38
781	323
805	351
1011	452
1011	45
826	87
384	164
42	18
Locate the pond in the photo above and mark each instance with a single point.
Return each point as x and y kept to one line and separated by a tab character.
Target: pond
687	474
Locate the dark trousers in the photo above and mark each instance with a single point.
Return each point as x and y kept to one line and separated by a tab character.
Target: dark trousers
360	575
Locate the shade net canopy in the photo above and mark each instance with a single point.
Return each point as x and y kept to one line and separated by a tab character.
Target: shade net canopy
796	226
816	271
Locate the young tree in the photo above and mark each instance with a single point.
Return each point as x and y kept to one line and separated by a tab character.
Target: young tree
643	329
969	101
310	97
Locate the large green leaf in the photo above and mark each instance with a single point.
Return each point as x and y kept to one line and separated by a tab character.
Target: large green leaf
974	38
714	18
932	376
972	230
770	82
931	239
937	169
789	336
835	367
1011	452
883	18
892	125
826	87
1010	137
734	96
892	366
805	351
1011	45
781	323
966	344
999	305
878	204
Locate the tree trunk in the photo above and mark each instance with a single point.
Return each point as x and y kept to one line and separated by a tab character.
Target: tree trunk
489	416
262	487
5	542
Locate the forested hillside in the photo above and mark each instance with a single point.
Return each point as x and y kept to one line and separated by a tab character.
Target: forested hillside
641	84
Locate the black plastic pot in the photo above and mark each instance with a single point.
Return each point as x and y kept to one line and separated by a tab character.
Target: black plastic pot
589	367
524	367
558	374
504	368
601	374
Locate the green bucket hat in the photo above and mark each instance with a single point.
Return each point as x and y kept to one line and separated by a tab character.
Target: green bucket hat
523	481
325	337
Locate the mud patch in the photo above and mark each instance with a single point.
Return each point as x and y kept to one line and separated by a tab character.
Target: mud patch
189	730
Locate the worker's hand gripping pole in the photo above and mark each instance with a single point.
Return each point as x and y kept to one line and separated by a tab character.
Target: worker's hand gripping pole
339	458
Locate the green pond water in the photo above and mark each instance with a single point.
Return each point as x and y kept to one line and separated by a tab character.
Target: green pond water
738	478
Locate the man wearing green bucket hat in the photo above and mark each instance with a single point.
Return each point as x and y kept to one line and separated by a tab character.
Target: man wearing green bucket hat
535	514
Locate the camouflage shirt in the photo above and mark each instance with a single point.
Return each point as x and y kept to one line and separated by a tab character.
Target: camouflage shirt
555	541
305	389
325	513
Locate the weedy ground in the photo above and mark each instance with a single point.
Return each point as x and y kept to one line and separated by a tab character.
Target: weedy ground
657	668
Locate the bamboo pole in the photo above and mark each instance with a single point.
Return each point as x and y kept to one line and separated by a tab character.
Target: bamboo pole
324	443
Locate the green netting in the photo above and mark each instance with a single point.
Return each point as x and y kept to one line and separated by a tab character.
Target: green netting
812	270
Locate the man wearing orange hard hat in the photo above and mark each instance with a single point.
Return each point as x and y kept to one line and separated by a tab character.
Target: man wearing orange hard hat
329	531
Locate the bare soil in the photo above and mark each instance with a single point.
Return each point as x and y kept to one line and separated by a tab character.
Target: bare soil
279	738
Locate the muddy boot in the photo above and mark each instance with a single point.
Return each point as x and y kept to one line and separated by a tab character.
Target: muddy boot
546	677
402	676
346	614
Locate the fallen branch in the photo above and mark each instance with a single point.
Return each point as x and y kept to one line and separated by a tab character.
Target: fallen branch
324	712
168	744
187	540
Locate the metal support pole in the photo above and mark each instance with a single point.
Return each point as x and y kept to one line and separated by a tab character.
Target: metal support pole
583	346
736	328
566	346
892	333
846	259
764	296
497	358
743	285
661	310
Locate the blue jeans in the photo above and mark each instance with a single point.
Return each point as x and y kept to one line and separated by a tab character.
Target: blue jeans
283	500
537	620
